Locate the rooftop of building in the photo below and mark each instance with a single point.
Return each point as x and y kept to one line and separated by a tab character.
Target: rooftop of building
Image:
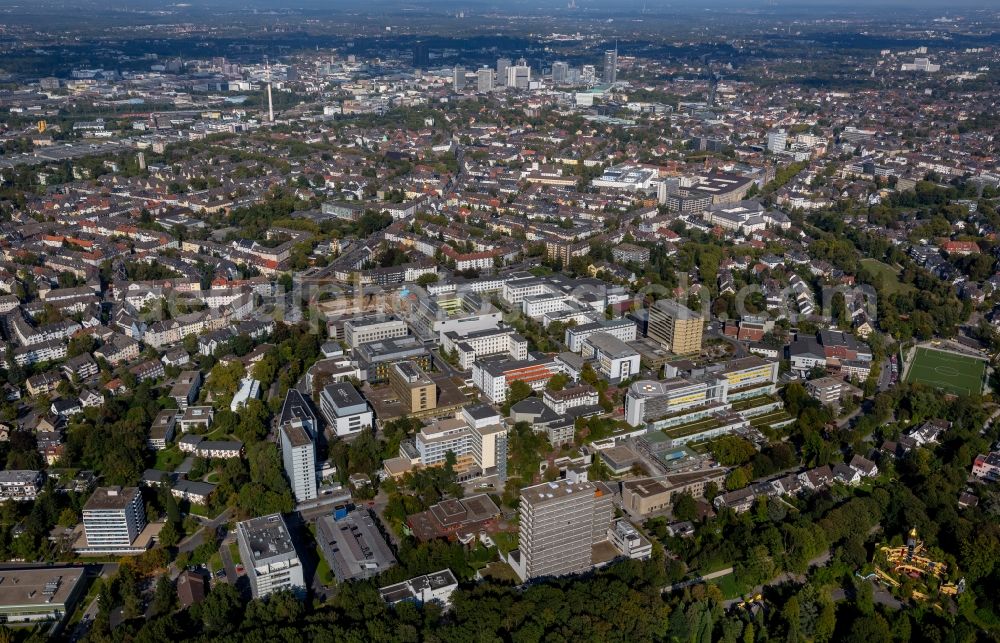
38	586
675	309
412	588
372	320
356	543
266	537
296	435
110	498
610	345
542	493
343	394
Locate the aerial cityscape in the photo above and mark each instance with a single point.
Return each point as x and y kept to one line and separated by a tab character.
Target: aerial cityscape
464	321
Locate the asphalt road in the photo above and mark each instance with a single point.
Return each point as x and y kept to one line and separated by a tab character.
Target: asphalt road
106	571
192	542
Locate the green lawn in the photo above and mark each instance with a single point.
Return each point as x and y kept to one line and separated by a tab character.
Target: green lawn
691	428
948	372
505	541
886	276
168	459
774	417
199	510
234	553
323	571
728	585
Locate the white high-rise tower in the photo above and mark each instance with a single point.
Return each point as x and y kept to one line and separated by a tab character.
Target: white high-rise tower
270	103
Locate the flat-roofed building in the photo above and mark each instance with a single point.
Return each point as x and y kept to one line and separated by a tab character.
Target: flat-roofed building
435	440
675	326
489	440
296	408
269	555
627	539
39	594
416	391
375	359
195	418
649	400
185	389
353	546
478	344
437	587
650	495
113	517
161	433
345	410
454	517
615	359
298	454
20	485
494	376
560	522
364	330
623	329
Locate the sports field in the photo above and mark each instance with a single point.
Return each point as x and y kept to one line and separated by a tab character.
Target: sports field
949	372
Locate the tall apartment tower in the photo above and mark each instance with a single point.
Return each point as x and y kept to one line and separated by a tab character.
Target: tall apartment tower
484	80
675	326
503	64
113	517
298	454
776	140
560	72
459	78
559	523
611	66
269	556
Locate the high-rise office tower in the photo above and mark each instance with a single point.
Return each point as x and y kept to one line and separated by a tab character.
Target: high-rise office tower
611	66
519	75
675	326
298	454
559	523
421	55
484	80
503	64
459	78
588	74
560	71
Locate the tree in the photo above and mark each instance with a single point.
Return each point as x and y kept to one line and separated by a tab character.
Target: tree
427	279
220	611
868	629
168	535
164	598
519	390
67	518
558	382
738	478
684	507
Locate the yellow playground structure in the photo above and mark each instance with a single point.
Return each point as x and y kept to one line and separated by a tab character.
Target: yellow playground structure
913	560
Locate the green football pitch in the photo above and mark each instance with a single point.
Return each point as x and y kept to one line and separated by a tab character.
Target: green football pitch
949	372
